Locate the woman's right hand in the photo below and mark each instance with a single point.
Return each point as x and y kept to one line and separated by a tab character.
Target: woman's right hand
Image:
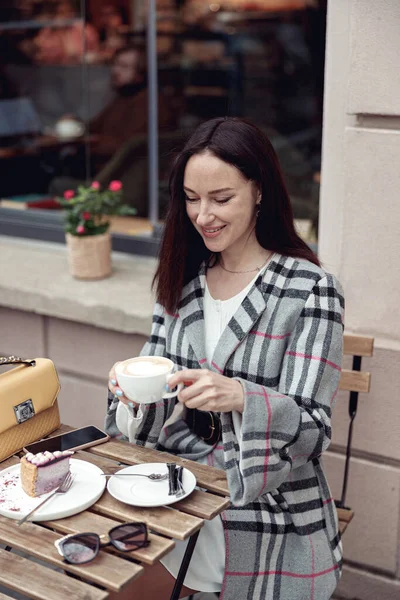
114	389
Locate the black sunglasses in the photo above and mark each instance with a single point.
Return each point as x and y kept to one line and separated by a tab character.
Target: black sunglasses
80	548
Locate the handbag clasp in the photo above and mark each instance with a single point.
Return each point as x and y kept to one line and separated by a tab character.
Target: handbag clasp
24	411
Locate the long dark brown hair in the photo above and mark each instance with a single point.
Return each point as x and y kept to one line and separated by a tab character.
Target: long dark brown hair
242	145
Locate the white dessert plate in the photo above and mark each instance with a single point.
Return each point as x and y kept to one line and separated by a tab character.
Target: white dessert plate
139	491
85	491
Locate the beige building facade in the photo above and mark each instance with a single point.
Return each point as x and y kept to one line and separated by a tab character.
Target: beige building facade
359	241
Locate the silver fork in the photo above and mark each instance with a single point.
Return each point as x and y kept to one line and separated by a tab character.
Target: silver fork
64	487
152	476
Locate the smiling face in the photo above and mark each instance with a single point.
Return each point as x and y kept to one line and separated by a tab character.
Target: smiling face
220	203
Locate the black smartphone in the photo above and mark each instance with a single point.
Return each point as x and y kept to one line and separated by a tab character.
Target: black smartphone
78	439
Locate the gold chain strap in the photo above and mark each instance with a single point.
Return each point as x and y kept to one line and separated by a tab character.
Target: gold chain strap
10	360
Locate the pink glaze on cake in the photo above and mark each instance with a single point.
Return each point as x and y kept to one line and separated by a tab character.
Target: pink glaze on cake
43	472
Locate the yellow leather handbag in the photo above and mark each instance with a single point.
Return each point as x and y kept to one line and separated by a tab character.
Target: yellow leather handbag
28	402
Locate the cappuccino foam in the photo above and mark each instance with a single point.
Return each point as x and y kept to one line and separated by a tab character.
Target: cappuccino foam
145	367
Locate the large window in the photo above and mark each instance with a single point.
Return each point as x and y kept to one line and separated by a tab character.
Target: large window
78	95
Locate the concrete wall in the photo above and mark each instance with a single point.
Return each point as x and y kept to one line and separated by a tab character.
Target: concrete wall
359	241
83	355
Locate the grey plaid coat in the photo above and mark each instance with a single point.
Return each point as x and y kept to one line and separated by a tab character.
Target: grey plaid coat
284	345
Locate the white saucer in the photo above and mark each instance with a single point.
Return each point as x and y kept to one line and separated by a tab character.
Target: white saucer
140	491
86	489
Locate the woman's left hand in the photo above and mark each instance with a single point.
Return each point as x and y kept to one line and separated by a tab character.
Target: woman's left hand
208	390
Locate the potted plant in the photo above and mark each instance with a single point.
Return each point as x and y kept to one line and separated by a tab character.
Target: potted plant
86	227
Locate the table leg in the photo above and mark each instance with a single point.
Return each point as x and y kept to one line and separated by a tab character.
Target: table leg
184	566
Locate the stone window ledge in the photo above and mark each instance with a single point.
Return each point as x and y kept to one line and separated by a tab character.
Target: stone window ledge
35	278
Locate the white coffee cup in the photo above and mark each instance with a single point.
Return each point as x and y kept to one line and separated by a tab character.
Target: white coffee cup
143	379
68	127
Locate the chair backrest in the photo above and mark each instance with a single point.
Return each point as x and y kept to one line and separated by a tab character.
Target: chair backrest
356	380
353	381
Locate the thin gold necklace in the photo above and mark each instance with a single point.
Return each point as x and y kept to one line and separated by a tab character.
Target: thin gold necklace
250	270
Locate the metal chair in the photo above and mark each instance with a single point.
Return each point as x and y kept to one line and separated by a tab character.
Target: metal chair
353	381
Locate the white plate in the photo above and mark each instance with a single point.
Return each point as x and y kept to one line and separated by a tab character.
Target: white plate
86	489
139	491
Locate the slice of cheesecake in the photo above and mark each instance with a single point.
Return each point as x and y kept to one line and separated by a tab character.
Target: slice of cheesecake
44	472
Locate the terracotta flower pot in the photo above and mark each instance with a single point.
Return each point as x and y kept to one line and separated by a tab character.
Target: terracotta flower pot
89	256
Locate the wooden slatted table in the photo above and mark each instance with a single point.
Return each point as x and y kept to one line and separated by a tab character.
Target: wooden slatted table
110	571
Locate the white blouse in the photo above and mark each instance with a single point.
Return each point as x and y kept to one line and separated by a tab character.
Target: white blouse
206	569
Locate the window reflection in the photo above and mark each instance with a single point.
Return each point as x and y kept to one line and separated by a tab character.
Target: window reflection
66	39
118	132
41	52
262	60
73	91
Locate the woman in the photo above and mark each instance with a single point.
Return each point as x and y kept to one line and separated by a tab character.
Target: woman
255	326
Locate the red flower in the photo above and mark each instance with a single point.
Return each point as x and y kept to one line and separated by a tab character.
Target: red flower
95	185
80	229
86	216
115	186
68	194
